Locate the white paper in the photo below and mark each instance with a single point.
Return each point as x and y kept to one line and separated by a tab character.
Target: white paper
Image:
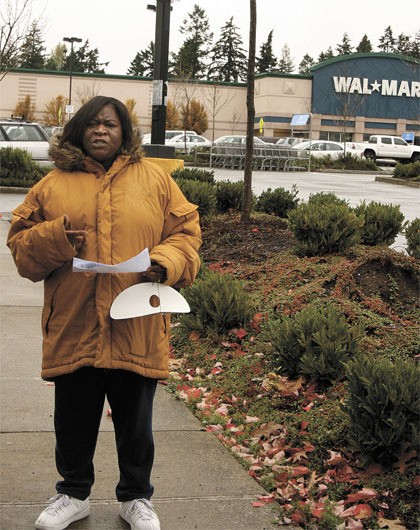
138	263
147	299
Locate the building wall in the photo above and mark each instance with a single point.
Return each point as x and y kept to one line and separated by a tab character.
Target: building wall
342	95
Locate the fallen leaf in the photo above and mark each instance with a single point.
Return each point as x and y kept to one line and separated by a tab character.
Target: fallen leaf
362	511
363	494
240	333
391	524
267	429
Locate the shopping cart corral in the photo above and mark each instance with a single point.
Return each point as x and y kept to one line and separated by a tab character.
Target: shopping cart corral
266	158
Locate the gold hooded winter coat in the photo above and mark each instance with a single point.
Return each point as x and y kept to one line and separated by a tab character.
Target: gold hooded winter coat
132	206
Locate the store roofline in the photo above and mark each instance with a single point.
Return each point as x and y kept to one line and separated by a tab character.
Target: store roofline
374	55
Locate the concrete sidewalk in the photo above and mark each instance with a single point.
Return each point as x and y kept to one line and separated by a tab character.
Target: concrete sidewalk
198	484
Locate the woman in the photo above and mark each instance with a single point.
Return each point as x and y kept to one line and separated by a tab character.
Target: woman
103	203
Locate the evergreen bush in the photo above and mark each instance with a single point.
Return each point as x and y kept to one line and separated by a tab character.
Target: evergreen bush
383	405
407	171
412	234
202	194
323	225
278	201
202	175
314	342
382	224
218	303
229	195
18	169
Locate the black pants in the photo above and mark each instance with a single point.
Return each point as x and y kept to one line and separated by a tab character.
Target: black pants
79	403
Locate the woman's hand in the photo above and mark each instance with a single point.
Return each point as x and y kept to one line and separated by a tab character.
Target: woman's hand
76	238
155	273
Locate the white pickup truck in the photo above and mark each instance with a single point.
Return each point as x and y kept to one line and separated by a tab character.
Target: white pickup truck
382	147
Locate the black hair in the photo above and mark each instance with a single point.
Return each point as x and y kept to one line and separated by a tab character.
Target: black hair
74	129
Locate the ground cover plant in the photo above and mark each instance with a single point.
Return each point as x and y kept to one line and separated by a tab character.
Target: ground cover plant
322	467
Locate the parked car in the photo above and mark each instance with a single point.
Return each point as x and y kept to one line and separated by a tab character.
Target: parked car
52	129
319	148
188	142
147	138
289	141
28	136
237	140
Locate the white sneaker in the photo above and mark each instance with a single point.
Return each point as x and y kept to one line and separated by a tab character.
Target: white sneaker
62	511
140	515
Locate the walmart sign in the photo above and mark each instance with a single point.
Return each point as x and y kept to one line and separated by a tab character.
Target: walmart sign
373	85
355	85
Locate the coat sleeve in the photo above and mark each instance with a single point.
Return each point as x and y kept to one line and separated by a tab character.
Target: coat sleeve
180	241
38	246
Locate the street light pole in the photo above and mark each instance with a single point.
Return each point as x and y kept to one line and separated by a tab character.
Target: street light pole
72	40
160	70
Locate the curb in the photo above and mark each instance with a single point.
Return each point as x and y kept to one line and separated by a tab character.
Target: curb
13	189
399	182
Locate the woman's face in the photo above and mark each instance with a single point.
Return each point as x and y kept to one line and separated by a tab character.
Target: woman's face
102	138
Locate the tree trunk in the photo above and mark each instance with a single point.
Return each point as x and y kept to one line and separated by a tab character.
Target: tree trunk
247	197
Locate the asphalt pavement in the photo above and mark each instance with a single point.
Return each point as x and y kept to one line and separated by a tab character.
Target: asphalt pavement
198	483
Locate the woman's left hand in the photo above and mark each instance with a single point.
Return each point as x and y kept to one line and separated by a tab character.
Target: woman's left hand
155	273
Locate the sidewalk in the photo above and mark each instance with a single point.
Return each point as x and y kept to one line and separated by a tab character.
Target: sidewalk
198	484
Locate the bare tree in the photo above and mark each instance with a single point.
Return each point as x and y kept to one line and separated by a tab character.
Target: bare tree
247	197
216	98
87	91
15	19
236	118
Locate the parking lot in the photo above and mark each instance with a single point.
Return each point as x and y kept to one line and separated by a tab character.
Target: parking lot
353	187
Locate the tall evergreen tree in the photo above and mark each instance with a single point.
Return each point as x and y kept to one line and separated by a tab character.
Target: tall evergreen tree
228	58
324	56
403	45
84	60
32	51
143	62
344	47
190	62
387	41
415	46
267	61
286	65
306	64
364	46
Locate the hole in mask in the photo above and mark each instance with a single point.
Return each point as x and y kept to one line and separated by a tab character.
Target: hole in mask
154	300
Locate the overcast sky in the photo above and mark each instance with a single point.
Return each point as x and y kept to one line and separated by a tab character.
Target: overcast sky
121	28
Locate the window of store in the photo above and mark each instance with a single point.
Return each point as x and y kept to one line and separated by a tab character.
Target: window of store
335	136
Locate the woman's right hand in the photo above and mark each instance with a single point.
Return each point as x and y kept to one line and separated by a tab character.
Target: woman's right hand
76	238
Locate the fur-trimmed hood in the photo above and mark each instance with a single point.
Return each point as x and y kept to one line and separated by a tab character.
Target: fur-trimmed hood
72	158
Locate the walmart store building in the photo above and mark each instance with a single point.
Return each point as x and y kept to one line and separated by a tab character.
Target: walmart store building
350	97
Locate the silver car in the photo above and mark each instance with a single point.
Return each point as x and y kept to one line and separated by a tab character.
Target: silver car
28	136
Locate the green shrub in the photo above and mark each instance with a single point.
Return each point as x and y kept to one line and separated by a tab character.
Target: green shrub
229	195
412	234
202	194
323	225
218	303
278	202
407	171
314	342
347	161
202	175
382	224
353	162
383	406
18	169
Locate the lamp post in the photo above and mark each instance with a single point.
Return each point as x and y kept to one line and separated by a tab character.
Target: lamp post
72	40
160	69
